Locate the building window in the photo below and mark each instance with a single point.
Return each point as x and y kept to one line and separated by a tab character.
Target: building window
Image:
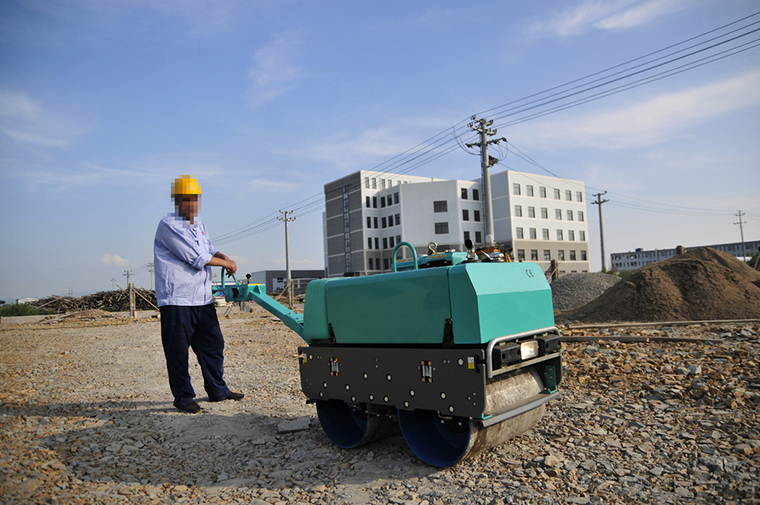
531	212
377	243
545	233
467	235
529	190
558	214
579	196
534	254
386	264
476	215
464	193
568	195
532	233
572	255
375	221
369	222
475	194
569	215
385	223
369	243
374	202
580	216
582	236
519	232
366	182
385	243
441	228
369	264
547	255
544	213
398	238
583	255
518	210
570	235
515	189
382	202
556	194
561	255
390	240
398	219
368	205
559	235
395	198
478	238
521	255
542	192
382	183
374	183
465	215
440	206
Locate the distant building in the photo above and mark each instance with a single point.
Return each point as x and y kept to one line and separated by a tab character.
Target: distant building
26	300
624	262
367	213
274	280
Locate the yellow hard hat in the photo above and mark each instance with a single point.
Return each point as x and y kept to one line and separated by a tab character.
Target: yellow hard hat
185	185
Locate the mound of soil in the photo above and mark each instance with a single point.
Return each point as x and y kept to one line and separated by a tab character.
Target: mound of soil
702	284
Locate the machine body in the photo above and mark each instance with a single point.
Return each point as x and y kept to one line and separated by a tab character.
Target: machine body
458	354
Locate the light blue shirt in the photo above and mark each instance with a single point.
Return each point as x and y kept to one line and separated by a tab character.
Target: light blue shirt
181	252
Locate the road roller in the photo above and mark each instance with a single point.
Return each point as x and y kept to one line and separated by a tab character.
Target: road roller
456	351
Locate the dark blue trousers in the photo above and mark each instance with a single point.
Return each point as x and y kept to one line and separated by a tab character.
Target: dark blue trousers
196	327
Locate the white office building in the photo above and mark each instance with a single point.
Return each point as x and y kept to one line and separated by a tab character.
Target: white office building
631	260
537	218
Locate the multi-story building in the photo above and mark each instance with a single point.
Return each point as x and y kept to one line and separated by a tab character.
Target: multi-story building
537	218
631	260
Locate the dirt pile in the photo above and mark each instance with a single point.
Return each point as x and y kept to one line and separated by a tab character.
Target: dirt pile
702	284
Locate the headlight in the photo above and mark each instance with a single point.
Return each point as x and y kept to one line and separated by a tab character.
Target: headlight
528	349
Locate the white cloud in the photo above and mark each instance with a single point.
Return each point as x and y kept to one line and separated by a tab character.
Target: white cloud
114	259
27	122
642	13
650	122
274	70
607	15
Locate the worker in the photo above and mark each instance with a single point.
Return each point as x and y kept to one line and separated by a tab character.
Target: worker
183	257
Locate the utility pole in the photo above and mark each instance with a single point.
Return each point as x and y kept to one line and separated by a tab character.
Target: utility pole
150	270
740	215
486	162
599	202
113	284
127	273
287	254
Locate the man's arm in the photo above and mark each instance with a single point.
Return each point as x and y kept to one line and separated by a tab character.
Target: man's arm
221	260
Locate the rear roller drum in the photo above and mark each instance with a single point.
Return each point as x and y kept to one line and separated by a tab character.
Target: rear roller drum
441	442
350	427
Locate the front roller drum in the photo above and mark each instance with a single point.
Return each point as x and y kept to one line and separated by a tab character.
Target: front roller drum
440	441
350	427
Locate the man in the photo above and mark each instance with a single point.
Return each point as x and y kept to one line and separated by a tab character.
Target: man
183	257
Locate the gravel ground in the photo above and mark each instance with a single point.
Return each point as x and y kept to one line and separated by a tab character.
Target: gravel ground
86	417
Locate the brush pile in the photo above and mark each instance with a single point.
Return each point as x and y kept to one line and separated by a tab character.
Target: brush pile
109	301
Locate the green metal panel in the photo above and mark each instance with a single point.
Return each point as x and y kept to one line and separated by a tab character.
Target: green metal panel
490	300
315	313
396	308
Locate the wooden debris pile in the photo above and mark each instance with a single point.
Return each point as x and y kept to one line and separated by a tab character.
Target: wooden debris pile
110	301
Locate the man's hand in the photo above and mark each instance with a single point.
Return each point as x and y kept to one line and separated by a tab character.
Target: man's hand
221	260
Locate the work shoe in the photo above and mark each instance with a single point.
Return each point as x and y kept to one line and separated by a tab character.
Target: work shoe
232	396
191	408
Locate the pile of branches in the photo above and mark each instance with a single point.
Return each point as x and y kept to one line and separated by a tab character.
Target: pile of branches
110	301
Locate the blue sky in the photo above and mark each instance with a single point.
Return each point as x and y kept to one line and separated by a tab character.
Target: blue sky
102	104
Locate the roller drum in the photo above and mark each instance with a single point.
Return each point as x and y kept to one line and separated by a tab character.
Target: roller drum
349	427
443	442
